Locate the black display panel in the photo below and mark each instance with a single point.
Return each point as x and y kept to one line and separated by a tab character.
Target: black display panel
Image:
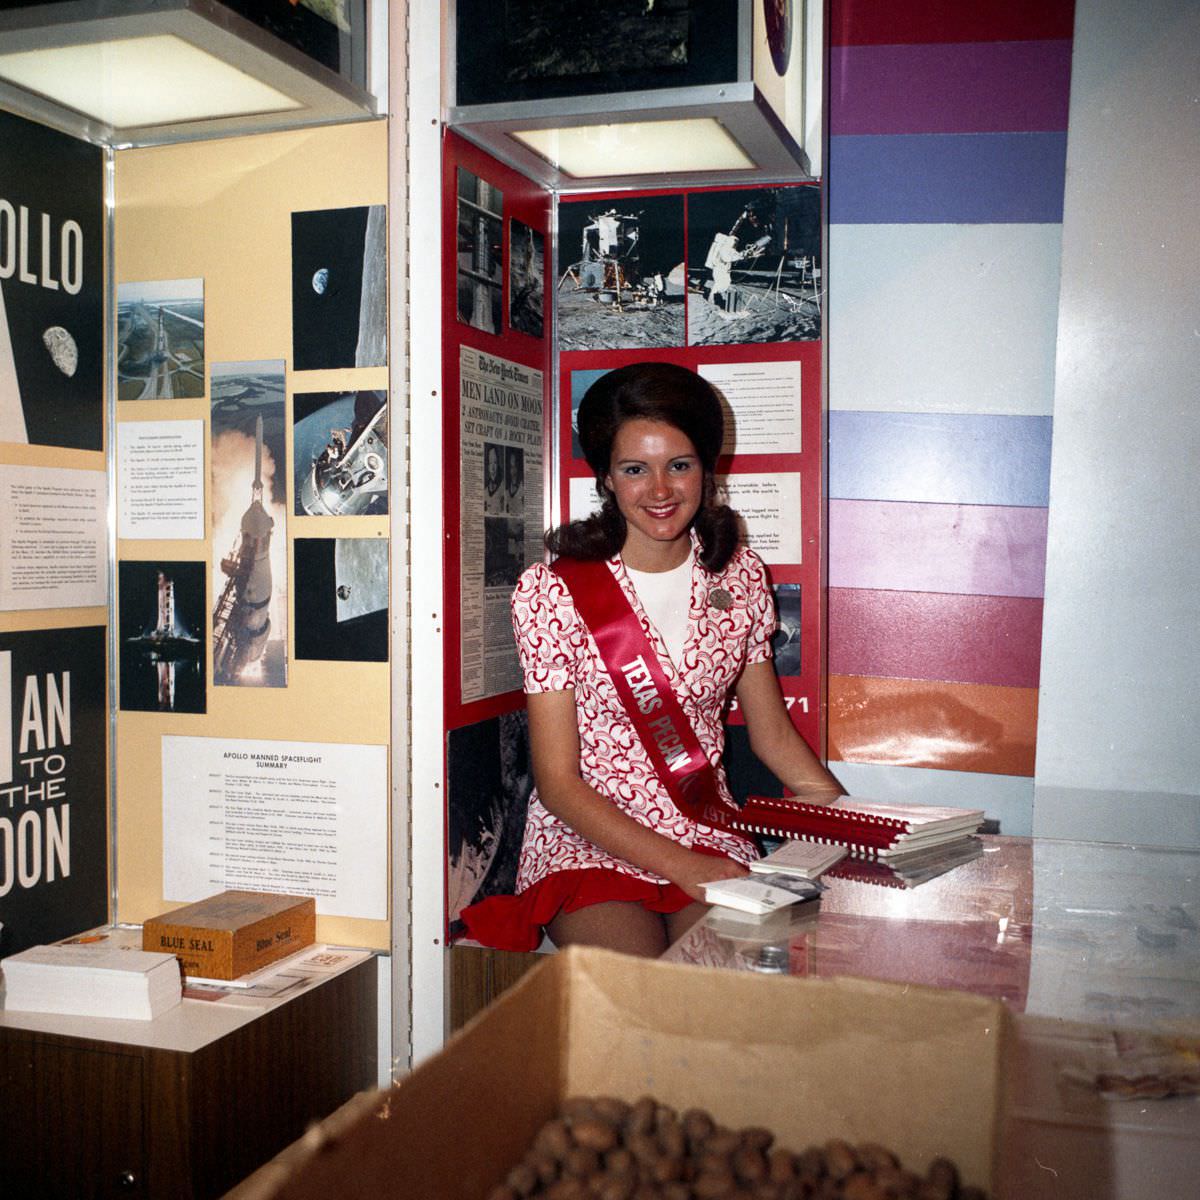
531	50
51	287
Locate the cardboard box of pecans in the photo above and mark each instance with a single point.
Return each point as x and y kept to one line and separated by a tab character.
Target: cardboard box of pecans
915	1069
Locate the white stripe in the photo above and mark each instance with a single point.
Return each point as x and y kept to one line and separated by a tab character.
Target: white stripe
943	318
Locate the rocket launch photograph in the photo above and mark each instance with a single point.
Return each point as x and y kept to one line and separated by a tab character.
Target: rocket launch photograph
161	640
249	514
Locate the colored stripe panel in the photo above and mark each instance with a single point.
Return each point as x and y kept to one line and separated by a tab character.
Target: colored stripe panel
935	636
949	726
945	178
908	22
940	458
976	87
944	318
982	550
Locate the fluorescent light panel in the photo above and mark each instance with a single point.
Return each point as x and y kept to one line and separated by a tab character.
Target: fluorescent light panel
152	80
638	147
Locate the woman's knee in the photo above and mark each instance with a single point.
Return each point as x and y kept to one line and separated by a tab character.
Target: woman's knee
613	925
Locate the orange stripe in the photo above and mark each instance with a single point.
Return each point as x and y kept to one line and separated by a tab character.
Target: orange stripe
952	726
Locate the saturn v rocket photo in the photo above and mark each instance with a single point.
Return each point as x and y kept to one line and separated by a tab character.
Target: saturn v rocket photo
241	619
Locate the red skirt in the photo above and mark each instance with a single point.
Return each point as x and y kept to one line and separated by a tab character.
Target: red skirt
518	922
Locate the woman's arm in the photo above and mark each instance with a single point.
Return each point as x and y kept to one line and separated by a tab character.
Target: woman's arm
775	740
554	745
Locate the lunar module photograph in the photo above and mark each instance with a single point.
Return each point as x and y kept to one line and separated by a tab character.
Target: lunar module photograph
626	287
341	457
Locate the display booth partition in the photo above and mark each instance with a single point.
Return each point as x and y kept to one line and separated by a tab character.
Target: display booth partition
543	293
248	693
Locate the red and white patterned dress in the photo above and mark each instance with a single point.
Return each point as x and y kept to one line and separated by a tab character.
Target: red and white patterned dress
560	870
558	652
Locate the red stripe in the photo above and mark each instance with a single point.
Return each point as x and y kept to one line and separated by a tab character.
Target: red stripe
935	636
916	22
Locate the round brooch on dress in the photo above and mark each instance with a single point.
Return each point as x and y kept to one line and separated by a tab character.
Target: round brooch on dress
720	599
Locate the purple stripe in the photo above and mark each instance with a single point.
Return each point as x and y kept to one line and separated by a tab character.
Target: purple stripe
982	550
924	635
947	178
973	87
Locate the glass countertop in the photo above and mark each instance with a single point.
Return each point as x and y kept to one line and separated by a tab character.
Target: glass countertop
1080	931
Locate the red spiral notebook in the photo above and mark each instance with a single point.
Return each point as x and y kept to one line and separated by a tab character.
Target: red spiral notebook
867	828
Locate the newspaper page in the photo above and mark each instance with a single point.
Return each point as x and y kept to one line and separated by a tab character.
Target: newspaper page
500	511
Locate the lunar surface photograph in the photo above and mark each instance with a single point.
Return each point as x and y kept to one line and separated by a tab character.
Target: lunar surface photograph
341	599
513	50
526	279
490	780
569	40
621	279
339	288
754	266
160	340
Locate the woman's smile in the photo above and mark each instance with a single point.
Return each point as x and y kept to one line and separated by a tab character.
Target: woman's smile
657	481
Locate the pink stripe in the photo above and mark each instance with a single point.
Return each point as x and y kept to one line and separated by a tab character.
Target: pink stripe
977	549
931	636
981	87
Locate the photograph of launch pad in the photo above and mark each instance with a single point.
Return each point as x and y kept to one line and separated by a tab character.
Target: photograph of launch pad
160	340
161	655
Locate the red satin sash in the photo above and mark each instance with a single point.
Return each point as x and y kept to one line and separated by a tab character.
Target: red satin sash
657	716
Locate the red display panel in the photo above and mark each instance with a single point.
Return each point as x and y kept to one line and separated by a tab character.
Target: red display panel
797	568
484	206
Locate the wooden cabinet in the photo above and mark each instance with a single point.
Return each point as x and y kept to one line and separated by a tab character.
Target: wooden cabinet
84	1118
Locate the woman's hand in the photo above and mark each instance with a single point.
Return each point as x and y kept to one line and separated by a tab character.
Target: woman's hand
691	869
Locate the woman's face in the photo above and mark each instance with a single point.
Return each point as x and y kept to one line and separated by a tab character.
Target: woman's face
657	479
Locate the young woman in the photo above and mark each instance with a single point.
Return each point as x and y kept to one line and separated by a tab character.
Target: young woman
610	856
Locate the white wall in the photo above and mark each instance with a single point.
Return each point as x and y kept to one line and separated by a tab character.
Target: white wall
1118	754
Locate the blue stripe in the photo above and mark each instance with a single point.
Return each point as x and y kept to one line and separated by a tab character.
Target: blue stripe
940	458
970	178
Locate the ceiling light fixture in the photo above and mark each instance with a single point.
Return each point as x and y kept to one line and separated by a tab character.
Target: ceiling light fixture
141	72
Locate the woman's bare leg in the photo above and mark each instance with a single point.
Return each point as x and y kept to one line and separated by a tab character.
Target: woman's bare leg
678	923
615	925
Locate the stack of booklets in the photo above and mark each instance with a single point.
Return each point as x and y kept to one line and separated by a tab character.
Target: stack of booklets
805	860
911	870
866	828
760	894
91	981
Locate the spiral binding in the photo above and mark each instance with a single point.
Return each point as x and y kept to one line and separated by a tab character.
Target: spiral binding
827	811
866	836
855	849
